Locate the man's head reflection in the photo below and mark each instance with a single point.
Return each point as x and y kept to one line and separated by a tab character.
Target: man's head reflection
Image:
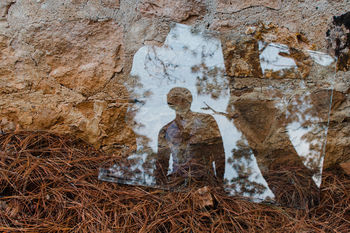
180	99
191	144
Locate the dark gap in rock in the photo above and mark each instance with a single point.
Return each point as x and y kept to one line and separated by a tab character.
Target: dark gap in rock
343	19
338	37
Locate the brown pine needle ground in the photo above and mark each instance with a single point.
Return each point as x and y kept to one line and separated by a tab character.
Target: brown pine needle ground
48	183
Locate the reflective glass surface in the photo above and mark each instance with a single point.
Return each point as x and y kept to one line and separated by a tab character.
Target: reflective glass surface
240	114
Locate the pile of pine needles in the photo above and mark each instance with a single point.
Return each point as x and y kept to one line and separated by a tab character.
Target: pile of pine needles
48	183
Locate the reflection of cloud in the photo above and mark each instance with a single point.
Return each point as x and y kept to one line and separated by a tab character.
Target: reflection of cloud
309	150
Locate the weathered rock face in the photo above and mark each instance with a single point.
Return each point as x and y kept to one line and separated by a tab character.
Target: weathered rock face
82	56
231	6
52	77
64	65
242	58
177	11
338	139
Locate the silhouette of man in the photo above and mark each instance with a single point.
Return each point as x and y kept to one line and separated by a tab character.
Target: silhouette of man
194	142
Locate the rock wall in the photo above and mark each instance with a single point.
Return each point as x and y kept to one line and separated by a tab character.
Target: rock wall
64	64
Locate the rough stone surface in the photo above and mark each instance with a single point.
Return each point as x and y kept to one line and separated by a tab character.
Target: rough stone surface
177	11
231	6
338	138
47	76
242	57
64	64
82	56
4	7
242	54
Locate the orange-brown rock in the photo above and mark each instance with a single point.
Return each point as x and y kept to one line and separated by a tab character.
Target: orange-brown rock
177	11
81	55
337	149
338	136
242	57
321	102
48	74
256	119
273	33
297	43
346	167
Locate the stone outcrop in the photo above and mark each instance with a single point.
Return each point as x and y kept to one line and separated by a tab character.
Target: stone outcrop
82	56
52	77
64	65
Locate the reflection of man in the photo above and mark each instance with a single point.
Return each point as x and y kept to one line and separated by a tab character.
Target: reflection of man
194	142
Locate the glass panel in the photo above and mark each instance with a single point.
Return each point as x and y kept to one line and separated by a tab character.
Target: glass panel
234	113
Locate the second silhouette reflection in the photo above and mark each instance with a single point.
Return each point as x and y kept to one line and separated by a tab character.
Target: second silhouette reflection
190	147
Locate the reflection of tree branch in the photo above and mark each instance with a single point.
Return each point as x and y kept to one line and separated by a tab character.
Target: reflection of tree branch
229	116
158	62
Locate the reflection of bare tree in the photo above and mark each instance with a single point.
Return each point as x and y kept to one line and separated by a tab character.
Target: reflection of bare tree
309	111
244	183
132	82
159	67
211	81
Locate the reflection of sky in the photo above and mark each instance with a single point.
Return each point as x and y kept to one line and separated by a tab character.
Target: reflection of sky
310	150
161	68
303	147
320	58
181	51
270	59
